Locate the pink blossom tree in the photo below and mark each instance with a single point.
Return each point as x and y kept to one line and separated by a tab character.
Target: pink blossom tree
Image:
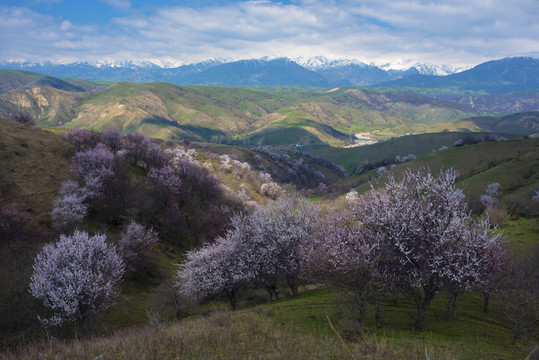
293	221
166	181
70	208
76	277
83	139
341	256
262	248
478	258
94	167
423	225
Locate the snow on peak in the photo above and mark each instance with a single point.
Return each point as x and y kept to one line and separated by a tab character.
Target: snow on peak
322	62
422	68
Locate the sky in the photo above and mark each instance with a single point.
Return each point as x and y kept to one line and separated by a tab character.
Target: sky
453	32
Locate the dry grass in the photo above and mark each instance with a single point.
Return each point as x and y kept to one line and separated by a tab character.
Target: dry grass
252	334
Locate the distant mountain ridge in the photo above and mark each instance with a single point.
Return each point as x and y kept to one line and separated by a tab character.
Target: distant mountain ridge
314	71
493	77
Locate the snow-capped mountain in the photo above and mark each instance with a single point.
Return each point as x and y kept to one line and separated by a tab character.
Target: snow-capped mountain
422	68
317	63
274	69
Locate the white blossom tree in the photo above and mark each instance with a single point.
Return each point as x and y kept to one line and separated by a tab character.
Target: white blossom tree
76	277
213	270
423	225
70	208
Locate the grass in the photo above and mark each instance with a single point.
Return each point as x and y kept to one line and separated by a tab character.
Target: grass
419	145
34	164
521	234
310	326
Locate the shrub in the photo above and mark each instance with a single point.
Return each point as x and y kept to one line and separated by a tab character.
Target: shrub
23	117
493	189
271	190
135	244
83	139
13	226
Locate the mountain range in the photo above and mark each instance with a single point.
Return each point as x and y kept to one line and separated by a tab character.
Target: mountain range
315	71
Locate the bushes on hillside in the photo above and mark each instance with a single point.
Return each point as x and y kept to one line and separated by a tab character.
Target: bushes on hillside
14	226
23	117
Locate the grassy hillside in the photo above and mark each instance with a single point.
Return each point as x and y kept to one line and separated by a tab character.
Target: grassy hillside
514	164
211	113
18	79
418	145
518	124
306	327
34	164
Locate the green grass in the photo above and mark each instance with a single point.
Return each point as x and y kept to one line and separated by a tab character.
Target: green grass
521	234
419	145
311	326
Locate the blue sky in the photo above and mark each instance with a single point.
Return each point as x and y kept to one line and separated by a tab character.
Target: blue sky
454	32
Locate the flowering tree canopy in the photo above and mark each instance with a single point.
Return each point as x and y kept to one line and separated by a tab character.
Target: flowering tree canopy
426	233
76	277
213	270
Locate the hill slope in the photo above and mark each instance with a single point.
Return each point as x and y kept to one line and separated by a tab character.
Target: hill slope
34	164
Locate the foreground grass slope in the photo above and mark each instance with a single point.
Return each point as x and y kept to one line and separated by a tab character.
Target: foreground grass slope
310	326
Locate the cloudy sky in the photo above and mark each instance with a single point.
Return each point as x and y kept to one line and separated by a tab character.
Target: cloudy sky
455	32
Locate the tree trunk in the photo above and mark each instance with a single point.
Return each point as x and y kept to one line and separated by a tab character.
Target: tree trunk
232	298
292	284
378	316
423	297
452	304
486	299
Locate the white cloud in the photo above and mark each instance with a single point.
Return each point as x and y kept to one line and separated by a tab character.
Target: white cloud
459	32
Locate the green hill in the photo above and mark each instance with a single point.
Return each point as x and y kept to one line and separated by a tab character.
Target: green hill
18	79
526	123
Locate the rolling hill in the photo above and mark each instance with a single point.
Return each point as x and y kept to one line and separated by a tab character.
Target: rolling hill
249	115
